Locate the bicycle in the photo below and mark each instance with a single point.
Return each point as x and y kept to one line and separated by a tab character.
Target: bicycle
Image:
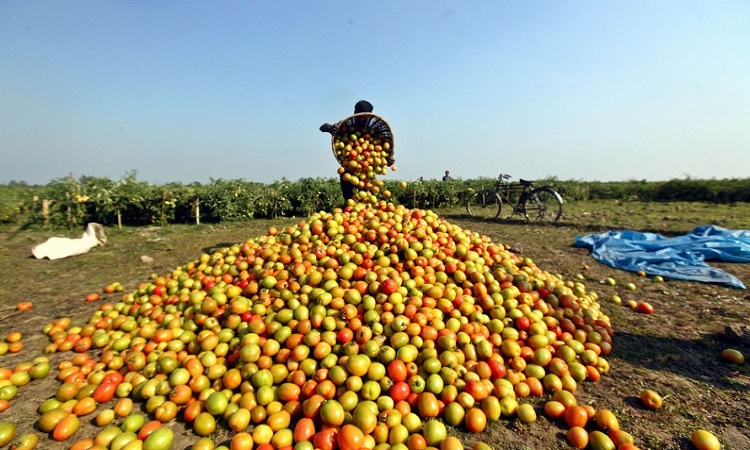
524	198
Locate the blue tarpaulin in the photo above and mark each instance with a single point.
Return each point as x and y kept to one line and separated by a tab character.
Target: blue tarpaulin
681	257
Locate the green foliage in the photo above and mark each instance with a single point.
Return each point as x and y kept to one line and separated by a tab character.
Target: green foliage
72	203
15	202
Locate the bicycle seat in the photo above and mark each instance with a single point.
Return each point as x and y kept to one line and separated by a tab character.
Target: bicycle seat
526	182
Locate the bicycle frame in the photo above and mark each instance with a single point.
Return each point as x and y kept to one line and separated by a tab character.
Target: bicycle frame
523	197
513	194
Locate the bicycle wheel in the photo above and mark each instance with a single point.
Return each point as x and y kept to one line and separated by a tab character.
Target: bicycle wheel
543	204
484	204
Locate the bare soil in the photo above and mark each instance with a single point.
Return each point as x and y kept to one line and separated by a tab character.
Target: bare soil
675	351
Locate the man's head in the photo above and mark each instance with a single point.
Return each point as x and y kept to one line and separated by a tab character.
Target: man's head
363	106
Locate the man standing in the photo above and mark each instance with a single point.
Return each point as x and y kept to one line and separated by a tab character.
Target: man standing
447	176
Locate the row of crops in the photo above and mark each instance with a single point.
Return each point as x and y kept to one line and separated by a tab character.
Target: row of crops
70	202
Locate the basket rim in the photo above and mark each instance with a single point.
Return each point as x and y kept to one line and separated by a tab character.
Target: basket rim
339	123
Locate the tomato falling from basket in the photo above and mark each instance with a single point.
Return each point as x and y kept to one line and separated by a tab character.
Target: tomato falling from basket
363	144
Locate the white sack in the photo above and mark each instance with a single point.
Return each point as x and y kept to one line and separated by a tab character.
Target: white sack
57	247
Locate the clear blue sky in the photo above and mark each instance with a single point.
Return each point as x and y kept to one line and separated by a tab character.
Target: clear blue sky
189	91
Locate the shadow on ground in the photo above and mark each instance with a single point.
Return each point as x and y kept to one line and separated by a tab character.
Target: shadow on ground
699	359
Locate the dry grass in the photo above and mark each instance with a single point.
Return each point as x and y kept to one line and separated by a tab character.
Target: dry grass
674	351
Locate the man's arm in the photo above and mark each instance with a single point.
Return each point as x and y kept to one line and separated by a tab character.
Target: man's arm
328	128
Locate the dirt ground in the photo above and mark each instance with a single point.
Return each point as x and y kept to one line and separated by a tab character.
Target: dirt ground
675	351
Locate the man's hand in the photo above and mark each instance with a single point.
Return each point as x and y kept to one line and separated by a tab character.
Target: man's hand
328	128
390	160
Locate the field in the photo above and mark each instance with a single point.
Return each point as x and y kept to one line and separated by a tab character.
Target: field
675	351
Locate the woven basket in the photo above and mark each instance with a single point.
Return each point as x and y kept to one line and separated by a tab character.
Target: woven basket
370	123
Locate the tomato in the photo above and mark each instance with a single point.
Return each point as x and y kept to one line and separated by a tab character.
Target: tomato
705	440
325	439
554	409
733	356
7	432
434	432
166	411
288	392
620	437
203	443
491	407
105	437
24	306
66	427
133	422
476	389
84	407
577	437
600	441
49	420
475	420
241	441
216	403
416	442
27	441
159	439
606	420
399	391
576	416
113	377
451	443
332	413
204	424
304	430
357	365
454	414
627	446
526	413
397	371
148	428
651	399
123	439
239	419
104	392
566	398
350	437
644	308
279	420
427	404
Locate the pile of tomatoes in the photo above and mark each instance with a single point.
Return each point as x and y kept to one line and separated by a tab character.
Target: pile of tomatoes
375	327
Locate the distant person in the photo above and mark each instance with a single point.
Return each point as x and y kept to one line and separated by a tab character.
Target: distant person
447	176
347	189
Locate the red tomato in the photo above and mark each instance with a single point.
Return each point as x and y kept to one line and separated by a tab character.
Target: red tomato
397	370
576	416
104	392
399	391
304	430
113	377
148	428
325	439
644	308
